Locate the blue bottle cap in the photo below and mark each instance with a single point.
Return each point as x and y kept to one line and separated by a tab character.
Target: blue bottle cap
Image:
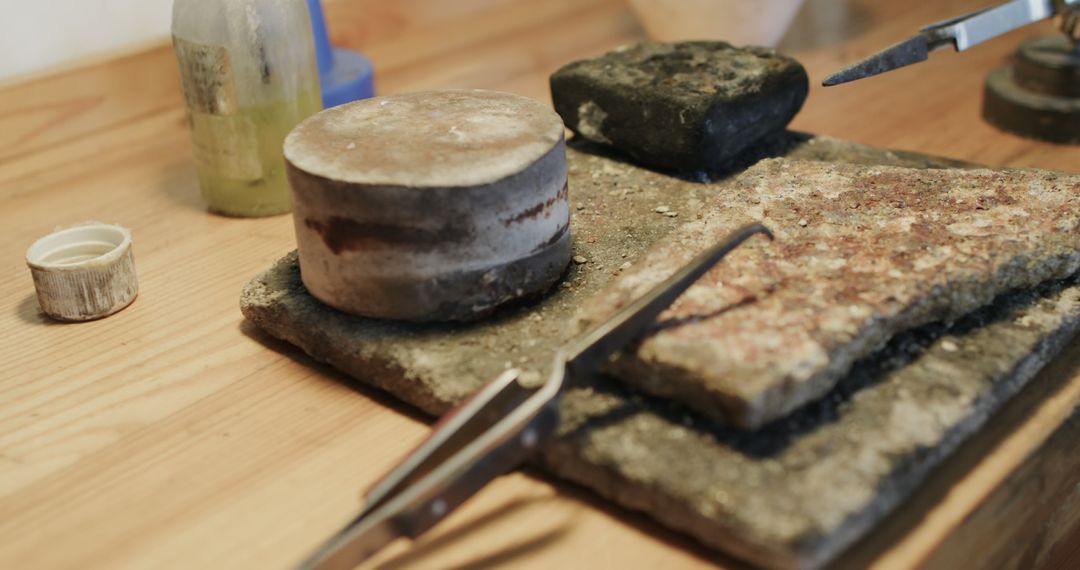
344	75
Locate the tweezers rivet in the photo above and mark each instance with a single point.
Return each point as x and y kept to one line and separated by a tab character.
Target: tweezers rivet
438	508
528	438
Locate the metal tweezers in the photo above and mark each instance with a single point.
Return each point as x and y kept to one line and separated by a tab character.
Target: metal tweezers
498	428
961	33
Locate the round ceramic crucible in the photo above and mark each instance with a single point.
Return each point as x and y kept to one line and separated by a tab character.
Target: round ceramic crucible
430	206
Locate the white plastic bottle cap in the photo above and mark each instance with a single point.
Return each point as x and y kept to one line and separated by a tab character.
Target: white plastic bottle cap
84	272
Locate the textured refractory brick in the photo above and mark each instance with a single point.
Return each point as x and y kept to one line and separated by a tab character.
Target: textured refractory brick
861	253
690	106
792	494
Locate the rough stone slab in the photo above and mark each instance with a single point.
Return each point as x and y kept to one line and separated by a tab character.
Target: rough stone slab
861	253
691	474
688	106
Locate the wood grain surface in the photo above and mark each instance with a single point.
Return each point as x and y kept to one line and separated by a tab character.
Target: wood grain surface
173	435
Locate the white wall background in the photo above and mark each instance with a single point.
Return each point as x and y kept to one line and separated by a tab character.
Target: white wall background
36	35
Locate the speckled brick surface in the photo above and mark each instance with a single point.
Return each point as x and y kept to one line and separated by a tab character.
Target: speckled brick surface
794	493
861	253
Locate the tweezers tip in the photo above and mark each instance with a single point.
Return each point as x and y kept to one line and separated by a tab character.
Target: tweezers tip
832	80
756	228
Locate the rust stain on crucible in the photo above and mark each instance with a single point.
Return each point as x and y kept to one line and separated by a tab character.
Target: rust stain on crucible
430	206
544	207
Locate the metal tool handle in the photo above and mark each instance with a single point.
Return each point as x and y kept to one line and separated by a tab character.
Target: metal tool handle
478	442
979	26
456	429
963	32
504	446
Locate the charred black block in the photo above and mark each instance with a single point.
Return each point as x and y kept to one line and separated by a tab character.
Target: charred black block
689	106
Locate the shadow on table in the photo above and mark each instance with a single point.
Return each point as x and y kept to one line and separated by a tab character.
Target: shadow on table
329	374
429	548
642	523
181	185
29	312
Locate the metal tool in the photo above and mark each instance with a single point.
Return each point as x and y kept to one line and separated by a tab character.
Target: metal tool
497	428
964	32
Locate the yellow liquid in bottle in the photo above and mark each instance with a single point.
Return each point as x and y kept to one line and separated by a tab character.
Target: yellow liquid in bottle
239	158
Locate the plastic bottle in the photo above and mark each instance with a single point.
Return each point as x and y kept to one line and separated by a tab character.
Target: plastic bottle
247	68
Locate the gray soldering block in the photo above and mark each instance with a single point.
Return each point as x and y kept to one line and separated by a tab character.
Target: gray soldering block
793	494
430	206
688	106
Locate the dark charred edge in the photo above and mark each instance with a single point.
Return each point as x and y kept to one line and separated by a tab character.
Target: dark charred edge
785	144
771	146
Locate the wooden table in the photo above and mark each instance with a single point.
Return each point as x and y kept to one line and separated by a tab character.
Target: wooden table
174	435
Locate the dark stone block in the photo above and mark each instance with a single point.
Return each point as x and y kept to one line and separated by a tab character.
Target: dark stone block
690	106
